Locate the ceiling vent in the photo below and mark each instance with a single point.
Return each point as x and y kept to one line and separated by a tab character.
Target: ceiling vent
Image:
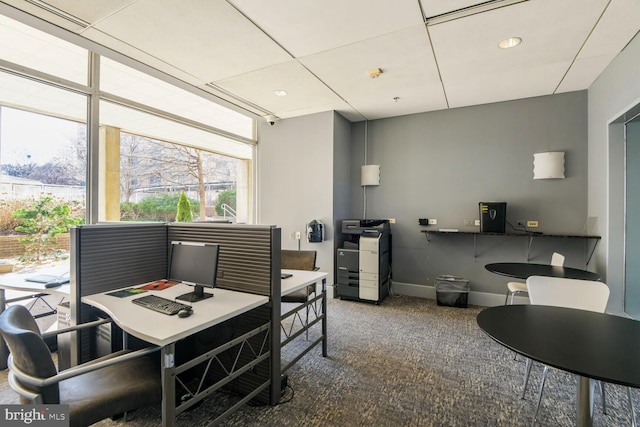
468	11
61	13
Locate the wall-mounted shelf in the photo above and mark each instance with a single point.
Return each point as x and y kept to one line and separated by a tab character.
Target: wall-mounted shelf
530	236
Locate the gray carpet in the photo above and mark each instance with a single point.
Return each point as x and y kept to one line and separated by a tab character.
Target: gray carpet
405	362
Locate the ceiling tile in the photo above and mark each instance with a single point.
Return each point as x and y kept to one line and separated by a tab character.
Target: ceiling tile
504	85
378	105
469	59
408	71
141	56
617	26
211	41
33	9
470	45
321	52
433	8
89	11
307	27
259	86
583	72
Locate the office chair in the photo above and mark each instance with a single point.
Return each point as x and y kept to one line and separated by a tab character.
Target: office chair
95	390
299	260
514	288
570	293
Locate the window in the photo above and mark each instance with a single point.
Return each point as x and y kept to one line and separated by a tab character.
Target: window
123	81
186	142
152	184
170	158
26	46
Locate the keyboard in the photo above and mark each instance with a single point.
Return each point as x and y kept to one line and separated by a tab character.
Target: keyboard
159	304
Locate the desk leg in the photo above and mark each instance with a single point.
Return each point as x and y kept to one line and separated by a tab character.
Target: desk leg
324	317
4	351
585	402
168	385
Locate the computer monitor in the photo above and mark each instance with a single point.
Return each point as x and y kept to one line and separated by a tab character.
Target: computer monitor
195	264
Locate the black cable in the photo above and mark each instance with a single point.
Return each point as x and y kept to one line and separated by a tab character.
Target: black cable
283	398
524	228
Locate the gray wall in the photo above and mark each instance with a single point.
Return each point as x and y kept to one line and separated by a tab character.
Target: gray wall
616	91
342	191
632	239
442	164
301	167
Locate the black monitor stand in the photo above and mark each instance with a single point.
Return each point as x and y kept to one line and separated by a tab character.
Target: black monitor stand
198	294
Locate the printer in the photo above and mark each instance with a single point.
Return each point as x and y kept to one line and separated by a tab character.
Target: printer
363	263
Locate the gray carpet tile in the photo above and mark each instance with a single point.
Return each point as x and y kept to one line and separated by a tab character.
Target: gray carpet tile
405	362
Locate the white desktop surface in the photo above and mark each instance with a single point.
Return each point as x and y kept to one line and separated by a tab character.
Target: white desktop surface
299	279
17	282
162	329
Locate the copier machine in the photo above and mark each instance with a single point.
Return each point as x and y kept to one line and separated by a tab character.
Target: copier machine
363	264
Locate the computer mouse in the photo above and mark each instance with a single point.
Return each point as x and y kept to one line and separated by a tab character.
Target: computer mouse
185	312
52	284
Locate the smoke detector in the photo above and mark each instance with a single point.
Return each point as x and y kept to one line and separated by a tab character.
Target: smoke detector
375	73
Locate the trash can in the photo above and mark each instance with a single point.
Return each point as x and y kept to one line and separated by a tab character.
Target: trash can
452	291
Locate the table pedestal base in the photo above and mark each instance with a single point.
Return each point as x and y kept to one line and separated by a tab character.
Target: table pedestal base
584	404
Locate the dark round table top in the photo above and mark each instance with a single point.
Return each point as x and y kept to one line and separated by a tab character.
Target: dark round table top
522	270
586	343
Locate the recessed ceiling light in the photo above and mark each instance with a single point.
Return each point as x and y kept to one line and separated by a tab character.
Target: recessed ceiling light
280	92
510	42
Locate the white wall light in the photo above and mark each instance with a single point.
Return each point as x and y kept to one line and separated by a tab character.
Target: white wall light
370	175
548	165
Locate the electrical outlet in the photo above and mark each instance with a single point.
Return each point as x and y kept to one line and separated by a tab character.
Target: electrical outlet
298	235
433	221
532	224
392	220
476	223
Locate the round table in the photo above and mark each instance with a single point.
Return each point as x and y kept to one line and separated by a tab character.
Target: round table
522	270
589	344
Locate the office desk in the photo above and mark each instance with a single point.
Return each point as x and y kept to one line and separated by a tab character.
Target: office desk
300	279
523	270
165	331
589	344
25	290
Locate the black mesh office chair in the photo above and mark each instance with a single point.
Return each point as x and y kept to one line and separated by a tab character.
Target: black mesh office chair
299	260
95	390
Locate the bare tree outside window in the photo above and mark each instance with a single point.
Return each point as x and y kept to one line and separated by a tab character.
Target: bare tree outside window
160	170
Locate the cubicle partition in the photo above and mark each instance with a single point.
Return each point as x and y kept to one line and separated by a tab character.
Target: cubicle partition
249	261
107	257
117	255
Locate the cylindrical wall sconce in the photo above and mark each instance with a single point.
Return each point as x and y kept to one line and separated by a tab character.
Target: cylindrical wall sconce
548	165
370	175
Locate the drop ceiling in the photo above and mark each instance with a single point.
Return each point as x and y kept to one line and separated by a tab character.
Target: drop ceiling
433	54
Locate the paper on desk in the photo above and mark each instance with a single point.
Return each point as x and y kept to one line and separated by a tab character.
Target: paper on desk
158	285
122	293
